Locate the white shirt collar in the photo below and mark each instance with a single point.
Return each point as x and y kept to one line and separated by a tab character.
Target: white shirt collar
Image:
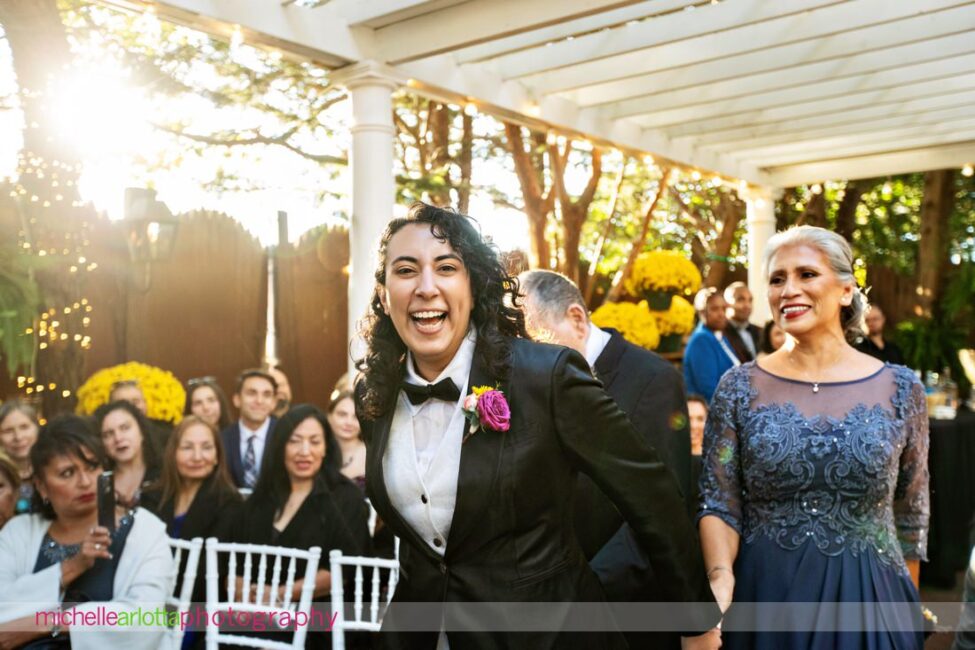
596	342
459	368
738	325
260	432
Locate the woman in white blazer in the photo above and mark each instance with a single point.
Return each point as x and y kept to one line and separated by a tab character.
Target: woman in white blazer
59	556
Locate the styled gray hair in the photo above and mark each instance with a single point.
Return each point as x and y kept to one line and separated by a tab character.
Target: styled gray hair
838	255
550	293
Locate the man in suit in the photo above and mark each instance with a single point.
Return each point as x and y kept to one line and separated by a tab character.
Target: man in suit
247	439
481	495
743	337
649	390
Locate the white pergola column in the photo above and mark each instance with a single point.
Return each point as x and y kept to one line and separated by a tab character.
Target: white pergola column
760	222
373	185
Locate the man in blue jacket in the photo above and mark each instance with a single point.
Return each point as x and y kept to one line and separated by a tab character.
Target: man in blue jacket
708	354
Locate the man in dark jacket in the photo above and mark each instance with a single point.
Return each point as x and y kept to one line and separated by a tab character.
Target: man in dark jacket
649	390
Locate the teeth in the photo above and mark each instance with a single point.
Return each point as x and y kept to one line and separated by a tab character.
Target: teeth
790	310
428	314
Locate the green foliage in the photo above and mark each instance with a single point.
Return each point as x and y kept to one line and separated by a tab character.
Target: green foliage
18	305
931	344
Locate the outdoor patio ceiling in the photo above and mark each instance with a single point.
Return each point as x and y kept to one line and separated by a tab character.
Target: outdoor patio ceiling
775	93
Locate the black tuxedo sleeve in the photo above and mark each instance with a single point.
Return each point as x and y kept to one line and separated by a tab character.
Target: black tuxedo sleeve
630	472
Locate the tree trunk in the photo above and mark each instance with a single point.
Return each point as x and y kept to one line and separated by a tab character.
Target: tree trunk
939	192
439	157
466	157
538	203
847	211
574	212
48	179
590	287
731	213
815	214
617	291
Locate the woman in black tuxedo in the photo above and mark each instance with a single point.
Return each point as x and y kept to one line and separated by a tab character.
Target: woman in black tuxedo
485	512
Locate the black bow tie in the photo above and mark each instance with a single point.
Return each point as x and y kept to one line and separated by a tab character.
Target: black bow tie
444	389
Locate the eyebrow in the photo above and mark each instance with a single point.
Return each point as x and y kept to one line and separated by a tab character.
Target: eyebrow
439	258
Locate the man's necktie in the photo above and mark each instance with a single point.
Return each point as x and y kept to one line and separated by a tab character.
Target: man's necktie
250	463
444	389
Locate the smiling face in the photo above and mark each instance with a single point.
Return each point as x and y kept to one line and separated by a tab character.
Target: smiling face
196	453
804	293
255	400
305	450
69	483
428	297
342	419
741	307
18	433
206	405
121	436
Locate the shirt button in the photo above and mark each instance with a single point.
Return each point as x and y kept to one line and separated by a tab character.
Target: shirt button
443	568
437	542
423	498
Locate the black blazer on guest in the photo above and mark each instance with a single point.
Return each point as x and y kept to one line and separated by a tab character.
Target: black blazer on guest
511	537
214	512
651	393
231	442
738	345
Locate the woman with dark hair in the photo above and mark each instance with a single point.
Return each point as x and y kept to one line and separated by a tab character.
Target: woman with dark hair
773	338
18	433
344	426
131	451
60	556
475	435
301	500
9	486
815	480
206	400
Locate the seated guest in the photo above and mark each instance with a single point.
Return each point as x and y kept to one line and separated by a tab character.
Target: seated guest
9	485
129	390
874	342
247	440
132	454
207	401
344	426
301	500
282	394
18	433
697	410
742	335
773	338
59	556
708	354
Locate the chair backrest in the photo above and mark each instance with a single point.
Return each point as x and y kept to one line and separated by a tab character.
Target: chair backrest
373	517
180	602
378	596
270	562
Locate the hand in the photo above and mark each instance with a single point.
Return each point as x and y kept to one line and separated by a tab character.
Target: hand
723	588
93	547
707	641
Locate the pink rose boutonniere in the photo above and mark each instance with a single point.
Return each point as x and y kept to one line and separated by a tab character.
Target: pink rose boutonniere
486	408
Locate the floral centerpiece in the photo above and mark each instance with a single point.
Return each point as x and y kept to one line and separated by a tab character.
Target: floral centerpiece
164	393
659	275
674	323
634	322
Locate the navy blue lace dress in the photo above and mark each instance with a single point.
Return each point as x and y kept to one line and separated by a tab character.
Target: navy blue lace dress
827	485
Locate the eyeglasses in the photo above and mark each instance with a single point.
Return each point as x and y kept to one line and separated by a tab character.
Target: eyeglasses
209	379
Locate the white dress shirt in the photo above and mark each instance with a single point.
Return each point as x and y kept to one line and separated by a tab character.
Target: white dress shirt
422	459
261	433
596	342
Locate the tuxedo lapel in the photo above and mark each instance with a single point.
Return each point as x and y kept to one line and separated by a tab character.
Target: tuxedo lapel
480	462
233	453
608	362
378	493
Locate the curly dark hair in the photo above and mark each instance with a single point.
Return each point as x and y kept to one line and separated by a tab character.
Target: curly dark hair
496	313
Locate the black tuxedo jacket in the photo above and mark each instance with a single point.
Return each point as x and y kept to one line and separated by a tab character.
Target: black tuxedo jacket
512	536
741	350
231	443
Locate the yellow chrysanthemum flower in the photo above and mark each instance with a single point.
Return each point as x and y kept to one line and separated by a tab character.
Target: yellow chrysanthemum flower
634	322
663	271
679	319
164	393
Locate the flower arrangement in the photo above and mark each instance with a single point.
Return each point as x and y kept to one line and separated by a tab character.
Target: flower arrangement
635	322
164	393
679	319
487	408
667	271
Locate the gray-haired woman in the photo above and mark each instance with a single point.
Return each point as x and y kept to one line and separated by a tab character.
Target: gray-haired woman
815	485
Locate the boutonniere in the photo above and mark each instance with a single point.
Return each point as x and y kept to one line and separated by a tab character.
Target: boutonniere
486	407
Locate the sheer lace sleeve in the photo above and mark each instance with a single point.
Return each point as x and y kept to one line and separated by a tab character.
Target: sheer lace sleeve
721	474
911	499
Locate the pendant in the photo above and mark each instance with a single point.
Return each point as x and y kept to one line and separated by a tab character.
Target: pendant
816	387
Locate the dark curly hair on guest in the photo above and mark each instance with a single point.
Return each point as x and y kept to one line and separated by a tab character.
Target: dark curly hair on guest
495	314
